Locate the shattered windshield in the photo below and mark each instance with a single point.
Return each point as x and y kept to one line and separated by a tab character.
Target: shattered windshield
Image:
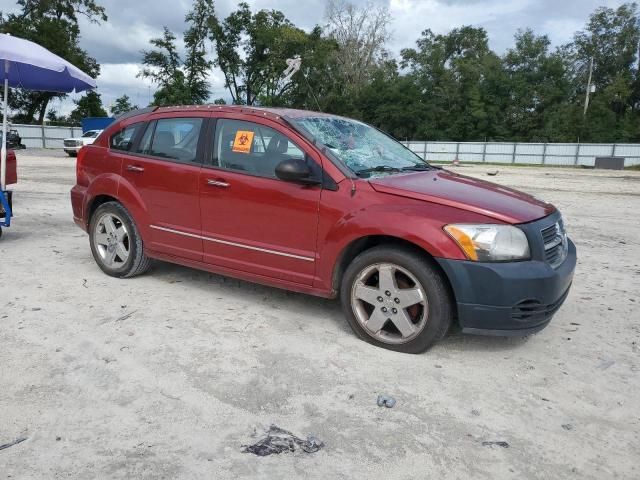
362	148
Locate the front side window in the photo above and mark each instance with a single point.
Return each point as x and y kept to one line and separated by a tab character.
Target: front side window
176	139
252	148
123	140
362	148
91	134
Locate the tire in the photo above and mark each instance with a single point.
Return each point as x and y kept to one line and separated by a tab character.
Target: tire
409	311
72	154
115	242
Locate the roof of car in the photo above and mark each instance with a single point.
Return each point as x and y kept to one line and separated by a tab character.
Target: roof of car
259	111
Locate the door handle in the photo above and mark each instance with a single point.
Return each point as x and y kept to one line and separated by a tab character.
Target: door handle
135	168
217	183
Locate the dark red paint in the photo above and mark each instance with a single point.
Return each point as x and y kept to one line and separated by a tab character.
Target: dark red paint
312	226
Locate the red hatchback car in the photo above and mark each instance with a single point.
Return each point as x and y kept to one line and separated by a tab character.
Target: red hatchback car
327	206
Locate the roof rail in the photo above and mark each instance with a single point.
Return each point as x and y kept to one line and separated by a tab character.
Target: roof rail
134	113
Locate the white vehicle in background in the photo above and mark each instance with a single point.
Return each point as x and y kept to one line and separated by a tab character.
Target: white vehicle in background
73	145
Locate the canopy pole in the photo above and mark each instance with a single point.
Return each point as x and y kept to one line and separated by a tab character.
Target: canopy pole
3	153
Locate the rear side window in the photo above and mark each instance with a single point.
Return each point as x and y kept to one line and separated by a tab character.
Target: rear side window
174	138
123	140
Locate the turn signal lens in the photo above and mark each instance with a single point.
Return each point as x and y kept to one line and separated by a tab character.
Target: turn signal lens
464	241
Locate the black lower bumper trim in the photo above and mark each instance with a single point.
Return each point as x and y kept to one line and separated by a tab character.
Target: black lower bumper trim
519	332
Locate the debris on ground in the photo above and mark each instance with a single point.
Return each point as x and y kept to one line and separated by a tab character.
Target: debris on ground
386	401
11	444
567	426
494	173
495	444
125	317
278	440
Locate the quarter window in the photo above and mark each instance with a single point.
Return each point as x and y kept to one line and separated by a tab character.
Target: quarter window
123	140
252	148
176	139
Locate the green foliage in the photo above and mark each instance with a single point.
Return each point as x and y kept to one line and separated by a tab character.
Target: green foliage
196	65
252	50
181	83
90	105
122	105
453	87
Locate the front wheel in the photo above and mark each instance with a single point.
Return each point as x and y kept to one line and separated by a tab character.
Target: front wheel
116	244
394	298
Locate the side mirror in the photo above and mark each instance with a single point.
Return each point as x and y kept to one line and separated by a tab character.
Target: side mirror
295	170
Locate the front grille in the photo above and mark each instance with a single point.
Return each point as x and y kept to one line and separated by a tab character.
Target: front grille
530	310
555	242
70	143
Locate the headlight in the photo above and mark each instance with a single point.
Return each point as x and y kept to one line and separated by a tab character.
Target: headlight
490	243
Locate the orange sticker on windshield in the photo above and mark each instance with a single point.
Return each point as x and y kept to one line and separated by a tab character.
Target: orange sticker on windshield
243	141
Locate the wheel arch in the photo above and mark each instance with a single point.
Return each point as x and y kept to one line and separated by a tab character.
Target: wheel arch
95	203
362	244
114	189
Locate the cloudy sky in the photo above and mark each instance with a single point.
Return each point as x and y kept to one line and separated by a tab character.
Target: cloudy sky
117	43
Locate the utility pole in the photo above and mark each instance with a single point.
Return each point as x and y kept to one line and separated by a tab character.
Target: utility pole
586	100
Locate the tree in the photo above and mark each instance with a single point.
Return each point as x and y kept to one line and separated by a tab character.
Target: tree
361	35
90	105
461	83
196	65
122	105
611	39
181	84
315	86
252	50
538	82
54	25
162	66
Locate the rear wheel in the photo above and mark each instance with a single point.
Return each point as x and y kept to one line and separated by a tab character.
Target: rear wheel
394	298
116	244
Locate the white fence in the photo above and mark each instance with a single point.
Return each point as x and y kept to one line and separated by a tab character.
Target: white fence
38	136
526	153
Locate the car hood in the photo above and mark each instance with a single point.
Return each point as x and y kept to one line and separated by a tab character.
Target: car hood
454	190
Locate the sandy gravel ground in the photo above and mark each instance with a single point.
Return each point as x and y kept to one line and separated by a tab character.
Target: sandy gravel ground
167	375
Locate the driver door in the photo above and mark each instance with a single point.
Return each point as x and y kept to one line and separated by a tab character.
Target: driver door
251	220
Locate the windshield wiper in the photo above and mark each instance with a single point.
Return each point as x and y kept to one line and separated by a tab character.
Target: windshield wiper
379	168
418	167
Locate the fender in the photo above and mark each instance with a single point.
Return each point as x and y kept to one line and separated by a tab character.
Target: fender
115	186
417	222
105	184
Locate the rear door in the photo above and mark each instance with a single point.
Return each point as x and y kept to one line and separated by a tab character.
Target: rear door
164	168
251	220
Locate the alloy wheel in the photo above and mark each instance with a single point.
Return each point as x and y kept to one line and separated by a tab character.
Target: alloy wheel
111	240
389	303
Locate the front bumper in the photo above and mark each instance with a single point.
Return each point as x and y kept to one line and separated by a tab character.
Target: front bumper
509	299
